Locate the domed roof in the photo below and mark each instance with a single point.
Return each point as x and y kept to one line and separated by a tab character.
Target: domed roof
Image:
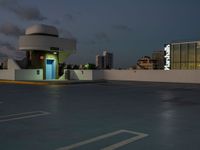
41	29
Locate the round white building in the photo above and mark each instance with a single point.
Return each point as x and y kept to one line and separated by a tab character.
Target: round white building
44	49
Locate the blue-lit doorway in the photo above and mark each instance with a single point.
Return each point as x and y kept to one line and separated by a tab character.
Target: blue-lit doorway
50	69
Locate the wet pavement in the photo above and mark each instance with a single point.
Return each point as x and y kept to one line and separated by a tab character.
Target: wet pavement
96	116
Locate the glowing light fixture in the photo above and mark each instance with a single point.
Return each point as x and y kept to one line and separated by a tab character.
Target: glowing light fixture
41	57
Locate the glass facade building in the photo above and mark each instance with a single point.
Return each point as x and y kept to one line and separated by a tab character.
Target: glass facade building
185	55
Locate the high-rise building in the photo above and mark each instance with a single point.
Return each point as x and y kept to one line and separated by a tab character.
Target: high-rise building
99	62
105	61
182	55
158	57
108	60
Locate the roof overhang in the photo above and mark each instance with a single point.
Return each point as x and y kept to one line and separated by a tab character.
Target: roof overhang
46	43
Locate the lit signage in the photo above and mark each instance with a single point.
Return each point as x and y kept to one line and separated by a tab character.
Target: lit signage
167	57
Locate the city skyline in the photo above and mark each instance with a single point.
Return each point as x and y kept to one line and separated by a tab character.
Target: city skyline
129	29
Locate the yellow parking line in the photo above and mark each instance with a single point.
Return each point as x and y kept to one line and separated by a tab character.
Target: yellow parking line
23	82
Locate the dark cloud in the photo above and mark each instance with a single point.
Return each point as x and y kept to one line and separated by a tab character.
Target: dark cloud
102	36
23	11
122	27
8	45
56	22
7	2
29	13
72	17
99	37
10	29
66	34
69	17
92	42
88	42
8	50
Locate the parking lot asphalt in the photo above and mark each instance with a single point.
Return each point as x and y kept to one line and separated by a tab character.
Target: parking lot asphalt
111	115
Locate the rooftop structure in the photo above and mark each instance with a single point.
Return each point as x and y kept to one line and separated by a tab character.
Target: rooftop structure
41	29
45	38
45	50
146	63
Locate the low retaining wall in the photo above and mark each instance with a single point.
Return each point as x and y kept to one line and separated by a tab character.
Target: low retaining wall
85	74
81	75
29	74
7	74
176	76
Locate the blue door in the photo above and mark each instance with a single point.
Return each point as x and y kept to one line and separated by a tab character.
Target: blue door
50	69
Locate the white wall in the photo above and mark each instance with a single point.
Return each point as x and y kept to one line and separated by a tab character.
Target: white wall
29	74
98	75
178	76
12	65
9	74
81	75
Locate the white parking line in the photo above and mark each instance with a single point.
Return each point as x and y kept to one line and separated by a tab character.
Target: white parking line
24	115
125	142
111	147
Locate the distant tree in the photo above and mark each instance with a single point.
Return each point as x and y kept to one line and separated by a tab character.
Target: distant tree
75	67
68	66
89	66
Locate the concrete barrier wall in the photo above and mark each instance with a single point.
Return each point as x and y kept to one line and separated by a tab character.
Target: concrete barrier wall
177	76
81	74
29	74
12	65
98	75
7	74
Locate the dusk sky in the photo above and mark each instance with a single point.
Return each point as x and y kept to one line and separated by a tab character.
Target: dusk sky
127	28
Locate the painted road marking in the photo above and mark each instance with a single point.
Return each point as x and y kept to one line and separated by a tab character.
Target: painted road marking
23	82
111	147
24	115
